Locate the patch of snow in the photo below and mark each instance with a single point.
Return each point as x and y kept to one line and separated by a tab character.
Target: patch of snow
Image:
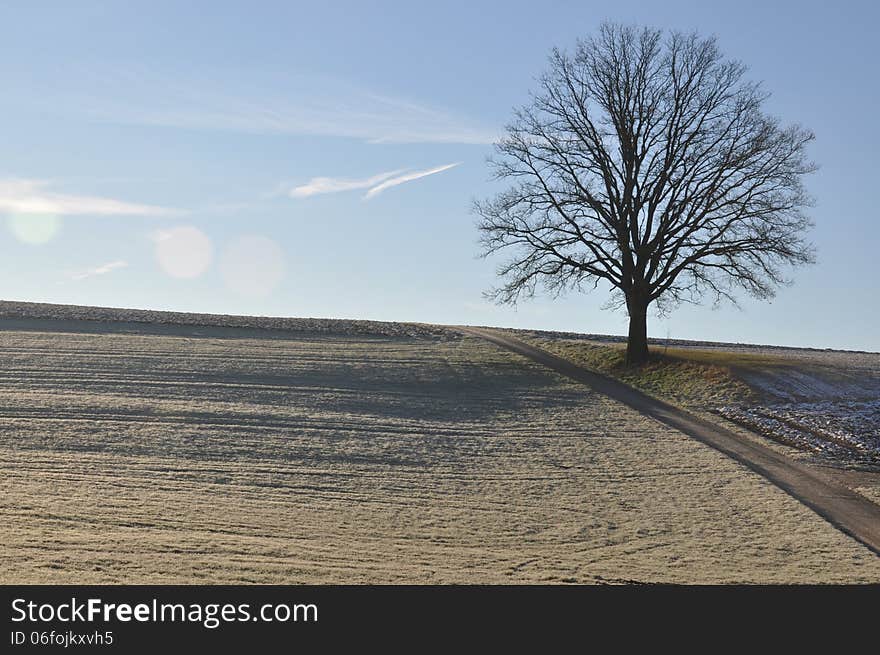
842	429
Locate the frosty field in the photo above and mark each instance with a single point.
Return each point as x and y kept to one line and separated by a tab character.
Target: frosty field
822	402
350	452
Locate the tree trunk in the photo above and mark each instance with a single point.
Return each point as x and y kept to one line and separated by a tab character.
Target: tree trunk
637	341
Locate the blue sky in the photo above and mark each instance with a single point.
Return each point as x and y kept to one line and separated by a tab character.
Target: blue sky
319	159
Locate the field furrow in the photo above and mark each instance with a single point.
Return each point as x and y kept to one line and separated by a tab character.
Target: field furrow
168	458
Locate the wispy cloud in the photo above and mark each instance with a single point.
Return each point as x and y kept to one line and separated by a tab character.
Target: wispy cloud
259	103
23	196
374	184
319	185
99	270
407	177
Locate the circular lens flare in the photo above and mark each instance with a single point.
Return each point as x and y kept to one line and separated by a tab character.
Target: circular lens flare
35	229
183	252
252	266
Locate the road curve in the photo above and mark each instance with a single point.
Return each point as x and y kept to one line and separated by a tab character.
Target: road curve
845	509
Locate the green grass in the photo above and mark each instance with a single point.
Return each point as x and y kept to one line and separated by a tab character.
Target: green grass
725	358
684	376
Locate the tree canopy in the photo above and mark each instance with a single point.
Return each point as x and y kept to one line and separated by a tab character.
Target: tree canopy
645	162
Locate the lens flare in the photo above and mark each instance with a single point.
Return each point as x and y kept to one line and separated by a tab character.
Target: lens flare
35	229
183	252
252	266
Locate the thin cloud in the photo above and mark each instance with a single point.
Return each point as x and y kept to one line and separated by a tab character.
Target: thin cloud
157	236
24	196
99	270
407	177
375	184
287	104
319	185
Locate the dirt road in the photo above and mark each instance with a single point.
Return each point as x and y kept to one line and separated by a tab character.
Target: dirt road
845	509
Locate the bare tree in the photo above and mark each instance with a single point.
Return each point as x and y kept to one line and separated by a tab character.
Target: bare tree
645	163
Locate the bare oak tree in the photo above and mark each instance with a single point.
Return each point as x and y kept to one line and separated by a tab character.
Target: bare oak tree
645	162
